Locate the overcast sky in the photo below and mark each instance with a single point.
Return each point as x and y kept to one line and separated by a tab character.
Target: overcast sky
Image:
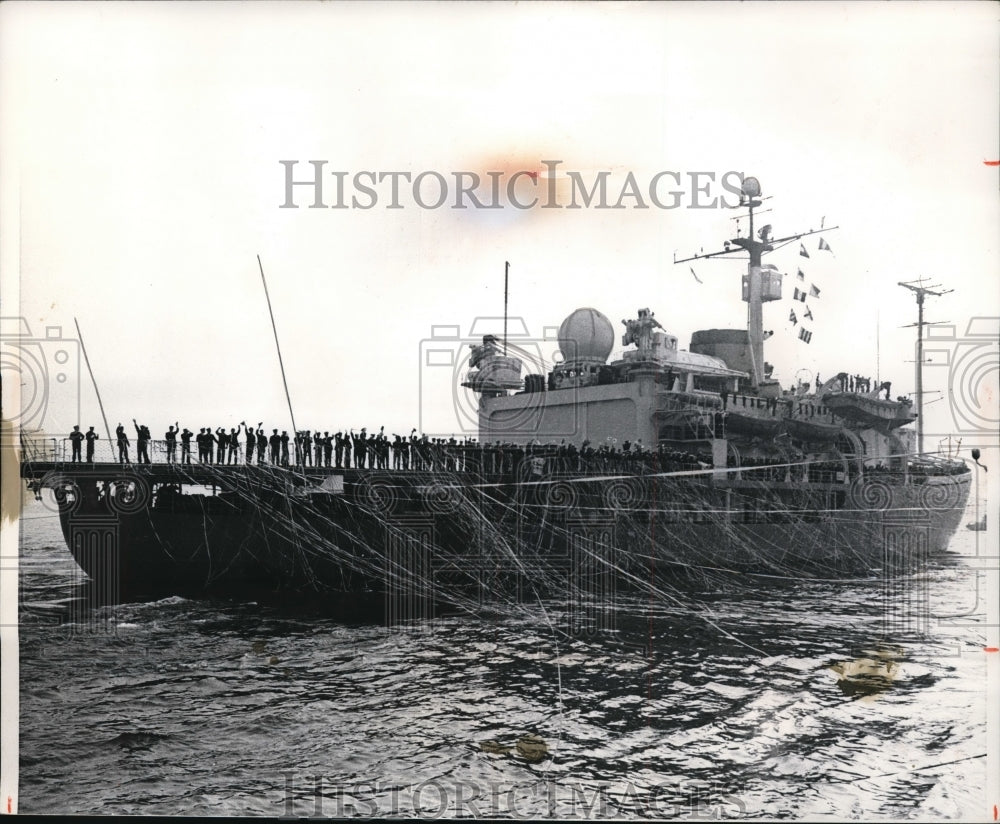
141	178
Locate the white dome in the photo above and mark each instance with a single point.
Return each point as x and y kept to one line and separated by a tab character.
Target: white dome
586	336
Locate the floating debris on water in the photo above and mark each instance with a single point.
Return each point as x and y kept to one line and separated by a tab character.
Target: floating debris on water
870	674
530	747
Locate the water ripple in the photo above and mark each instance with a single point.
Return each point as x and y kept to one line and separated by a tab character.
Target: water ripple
707	703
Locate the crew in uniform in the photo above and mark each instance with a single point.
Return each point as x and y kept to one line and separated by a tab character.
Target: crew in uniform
122	444
186	445
91	436
142	442
209	441
223	440
76	439
261	445
171	439
251	442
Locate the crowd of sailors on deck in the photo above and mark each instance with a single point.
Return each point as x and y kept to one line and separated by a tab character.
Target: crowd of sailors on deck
948	467
363	450
853	383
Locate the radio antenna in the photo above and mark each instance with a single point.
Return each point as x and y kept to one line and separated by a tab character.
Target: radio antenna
277	346
79	334
921	291
506	272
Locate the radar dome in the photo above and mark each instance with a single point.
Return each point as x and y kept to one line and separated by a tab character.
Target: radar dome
586	336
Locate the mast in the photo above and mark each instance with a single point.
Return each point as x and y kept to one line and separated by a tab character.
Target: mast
97	391
756	293
277	346
506	272
755	303
921	292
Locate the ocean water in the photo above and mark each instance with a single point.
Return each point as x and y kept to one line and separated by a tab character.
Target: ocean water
721	701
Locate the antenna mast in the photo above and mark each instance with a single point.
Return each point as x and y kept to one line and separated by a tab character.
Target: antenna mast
921	292
757	292
506	272
97	391
278	347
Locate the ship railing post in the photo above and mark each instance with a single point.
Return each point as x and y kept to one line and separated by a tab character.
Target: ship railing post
977	508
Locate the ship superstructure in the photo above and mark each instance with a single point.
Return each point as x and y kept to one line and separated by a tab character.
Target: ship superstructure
718	396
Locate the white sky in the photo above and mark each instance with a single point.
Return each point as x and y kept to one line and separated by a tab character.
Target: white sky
141	177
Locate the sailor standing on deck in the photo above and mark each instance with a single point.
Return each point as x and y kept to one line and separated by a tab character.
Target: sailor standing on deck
171	438
234	446
76	439
284	447
186	446
91	436
261	444
142	440
275	443
223	440
251	441
122	444
360	444
209	441
307	448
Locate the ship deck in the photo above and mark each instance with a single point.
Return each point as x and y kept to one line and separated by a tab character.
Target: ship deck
202	474
225	476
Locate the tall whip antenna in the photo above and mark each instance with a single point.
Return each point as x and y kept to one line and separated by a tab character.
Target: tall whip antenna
506	272
921	291
79	334
277	345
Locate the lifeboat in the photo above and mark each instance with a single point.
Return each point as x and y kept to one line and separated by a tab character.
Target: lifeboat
867	411
805	430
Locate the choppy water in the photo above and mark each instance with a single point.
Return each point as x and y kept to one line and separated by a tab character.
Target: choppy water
697	704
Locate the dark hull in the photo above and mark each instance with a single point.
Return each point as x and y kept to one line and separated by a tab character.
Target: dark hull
450	539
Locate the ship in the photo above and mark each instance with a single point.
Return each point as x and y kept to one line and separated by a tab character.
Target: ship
597	476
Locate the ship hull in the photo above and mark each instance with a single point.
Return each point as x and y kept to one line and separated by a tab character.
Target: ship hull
451	540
